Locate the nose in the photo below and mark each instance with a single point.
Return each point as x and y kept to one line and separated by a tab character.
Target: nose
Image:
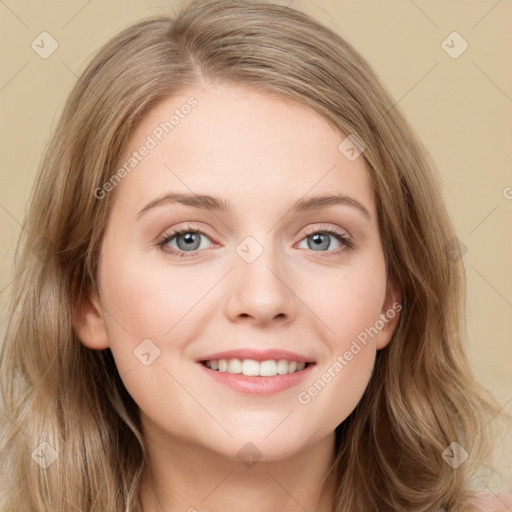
261	292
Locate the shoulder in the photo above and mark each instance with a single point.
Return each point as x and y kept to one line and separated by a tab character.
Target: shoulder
488	501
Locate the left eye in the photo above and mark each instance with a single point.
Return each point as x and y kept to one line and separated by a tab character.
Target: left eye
321	240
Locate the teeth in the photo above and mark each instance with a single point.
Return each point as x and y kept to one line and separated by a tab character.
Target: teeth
282	367
252	368
235	366
268	368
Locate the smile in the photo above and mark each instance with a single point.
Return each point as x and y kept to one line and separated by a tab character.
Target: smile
253	368
257	372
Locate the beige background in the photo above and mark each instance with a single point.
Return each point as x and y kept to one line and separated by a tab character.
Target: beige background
461	109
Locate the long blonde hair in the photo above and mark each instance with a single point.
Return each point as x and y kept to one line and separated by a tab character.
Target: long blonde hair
66	404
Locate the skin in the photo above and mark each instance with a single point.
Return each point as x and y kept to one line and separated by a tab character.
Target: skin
261	153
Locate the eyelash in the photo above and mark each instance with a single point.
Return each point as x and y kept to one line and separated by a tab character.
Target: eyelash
339	235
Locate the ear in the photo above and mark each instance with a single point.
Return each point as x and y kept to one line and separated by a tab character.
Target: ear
89	322
390	314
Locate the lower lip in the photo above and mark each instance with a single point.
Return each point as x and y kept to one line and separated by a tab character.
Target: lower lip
258	385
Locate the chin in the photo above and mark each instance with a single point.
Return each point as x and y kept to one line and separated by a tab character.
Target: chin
262	447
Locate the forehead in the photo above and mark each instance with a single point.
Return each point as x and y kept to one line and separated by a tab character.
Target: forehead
240	144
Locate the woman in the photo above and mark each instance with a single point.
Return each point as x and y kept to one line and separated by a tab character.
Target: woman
307	353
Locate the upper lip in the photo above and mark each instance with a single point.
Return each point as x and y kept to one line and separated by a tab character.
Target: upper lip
257	355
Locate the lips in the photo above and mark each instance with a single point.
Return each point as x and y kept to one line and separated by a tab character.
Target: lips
257	371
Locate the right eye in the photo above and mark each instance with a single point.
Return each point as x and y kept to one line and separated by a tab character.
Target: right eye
182	242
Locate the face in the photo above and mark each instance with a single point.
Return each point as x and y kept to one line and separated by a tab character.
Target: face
261	277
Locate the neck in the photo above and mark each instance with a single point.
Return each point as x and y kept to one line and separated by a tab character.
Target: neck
185	477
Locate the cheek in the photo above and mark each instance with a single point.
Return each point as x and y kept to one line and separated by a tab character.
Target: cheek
149	302
343	375
350	309
153	313
336	389
349	300
149	313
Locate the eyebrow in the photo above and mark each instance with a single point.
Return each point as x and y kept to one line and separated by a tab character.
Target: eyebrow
207	202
